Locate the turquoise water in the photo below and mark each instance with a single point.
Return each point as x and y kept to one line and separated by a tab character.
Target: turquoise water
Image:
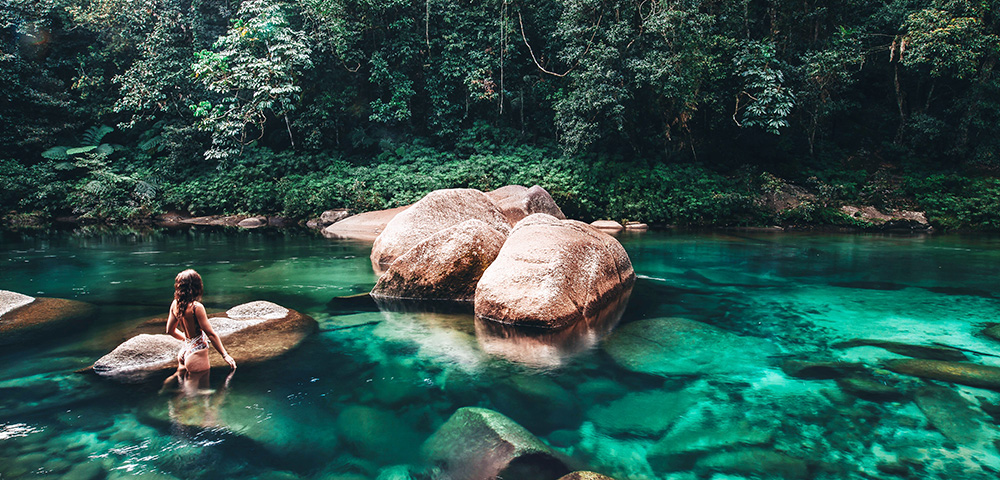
358	399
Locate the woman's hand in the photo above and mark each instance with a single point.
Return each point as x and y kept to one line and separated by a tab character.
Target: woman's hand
229	359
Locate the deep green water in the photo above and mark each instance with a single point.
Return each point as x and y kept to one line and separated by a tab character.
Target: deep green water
357	402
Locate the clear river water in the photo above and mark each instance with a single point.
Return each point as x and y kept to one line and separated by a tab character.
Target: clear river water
358	399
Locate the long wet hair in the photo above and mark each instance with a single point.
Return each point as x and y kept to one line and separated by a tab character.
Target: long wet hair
187	289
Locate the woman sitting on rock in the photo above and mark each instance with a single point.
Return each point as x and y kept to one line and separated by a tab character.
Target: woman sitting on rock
195	331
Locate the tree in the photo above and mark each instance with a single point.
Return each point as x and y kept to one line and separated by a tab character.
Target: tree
255	68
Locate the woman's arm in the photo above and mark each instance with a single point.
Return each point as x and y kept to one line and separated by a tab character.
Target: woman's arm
172	323
206	326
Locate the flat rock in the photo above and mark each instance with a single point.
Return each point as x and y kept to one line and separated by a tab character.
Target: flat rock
869	387
636	227
755	461
644	414
953	416
819	370
678	347
478	443
552	273
685	444
929	352
517	202
25	318
215	220
610	226
437	211
252	334
964	373
363	226
444	266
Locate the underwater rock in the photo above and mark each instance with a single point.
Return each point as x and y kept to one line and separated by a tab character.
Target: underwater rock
819	370
681	448
363	226
377	434
253	332
608	226
444	266
755	461
868	387
478	443
732	278
869	285
437	211
678	346
552	273
929	352
646	414
23	318
585	476
953	416
517	202
91	470
553	406
993	332
971	374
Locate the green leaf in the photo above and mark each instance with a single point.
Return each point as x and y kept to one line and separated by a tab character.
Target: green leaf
74	151
56	153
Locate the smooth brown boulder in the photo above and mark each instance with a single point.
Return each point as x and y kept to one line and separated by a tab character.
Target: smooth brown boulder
24	318
437	211
551	273
971	374
478	443
445	266
363	226
517	202
252	333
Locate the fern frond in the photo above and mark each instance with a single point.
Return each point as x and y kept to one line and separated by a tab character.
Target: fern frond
56	153
95	134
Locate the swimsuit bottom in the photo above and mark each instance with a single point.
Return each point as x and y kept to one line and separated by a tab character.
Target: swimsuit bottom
196	344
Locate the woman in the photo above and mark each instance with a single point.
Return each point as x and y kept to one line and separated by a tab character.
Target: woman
195	331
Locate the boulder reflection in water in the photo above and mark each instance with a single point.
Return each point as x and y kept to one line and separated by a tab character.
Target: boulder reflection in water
544	348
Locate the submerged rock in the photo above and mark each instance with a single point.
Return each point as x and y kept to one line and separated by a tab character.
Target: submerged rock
953	416
24	318
517	202
363	226
377	434
869	387
993	332
684	445
437	211
678	346
585	476
819	370
647	414
444	266
252	333
551	273
929	352
755	461
478	443
971	374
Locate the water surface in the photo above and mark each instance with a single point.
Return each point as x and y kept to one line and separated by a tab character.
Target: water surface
357	399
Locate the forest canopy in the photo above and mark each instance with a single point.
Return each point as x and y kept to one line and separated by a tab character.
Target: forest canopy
117	108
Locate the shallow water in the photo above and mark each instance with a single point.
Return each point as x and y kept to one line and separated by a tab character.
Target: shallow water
358	399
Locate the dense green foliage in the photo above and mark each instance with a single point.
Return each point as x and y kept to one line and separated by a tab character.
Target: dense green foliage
677	111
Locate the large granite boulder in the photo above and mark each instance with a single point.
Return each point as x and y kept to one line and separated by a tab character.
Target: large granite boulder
478	443
437	211
363	226
252	333
23	317
682	347
517	202
444	266
551	273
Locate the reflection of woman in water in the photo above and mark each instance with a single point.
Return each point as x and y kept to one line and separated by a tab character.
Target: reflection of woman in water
195	331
